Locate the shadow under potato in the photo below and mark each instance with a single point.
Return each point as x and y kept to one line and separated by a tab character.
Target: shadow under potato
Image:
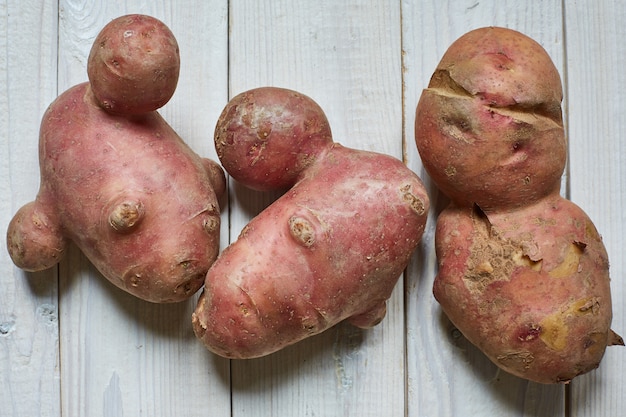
251	202
512	392
165	320
336	351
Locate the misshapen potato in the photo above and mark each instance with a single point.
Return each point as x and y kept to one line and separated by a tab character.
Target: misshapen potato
529	287
134	64
138	202
523	273
490	130
330	249
296	125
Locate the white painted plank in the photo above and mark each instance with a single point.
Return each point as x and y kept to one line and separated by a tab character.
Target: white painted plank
29	372
446	374
596	56
120	355
346	56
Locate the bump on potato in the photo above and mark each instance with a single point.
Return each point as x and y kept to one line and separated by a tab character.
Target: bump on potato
133	65
331	248
117	180
523	273
266	137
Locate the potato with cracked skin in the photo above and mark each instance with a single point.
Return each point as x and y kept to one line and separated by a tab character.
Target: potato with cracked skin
122	185
490	124
527	287
523	272
330	249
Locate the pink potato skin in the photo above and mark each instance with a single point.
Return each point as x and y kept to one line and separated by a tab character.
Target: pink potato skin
258	131
331	248
530	288
504	68
133	65
521	158
138	202
523	273
489	127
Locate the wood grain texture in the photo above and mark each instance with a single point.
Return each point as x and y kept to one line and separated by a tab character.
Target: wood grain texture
73	345
346	57
29	333
596	86
439	359
121	356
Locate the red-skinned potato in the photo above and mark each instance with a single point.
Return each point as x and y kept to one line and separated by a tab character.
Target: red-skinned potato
139	203
529	287
330	249
523	272
490	126
254	160
134	64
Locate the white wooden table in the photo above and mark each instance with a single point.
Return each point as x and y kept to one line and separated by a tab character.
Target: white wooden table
73	345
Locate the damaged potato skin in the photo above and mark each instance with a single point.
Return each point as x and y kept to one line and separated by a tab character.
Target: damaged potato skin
330	249
139	203
523	272
488	127
530	288
521	160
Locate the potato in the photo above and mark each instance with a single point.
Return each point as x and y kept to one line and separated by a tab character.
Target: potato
523	272
133	65
489	126
330	249
529	287
243	131
140	204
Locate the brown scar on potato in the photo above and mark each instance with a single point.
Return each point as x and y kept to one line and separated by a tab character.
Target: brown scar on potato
493	258
417	205
535	116
302	231
530	332
521	359
443	83
126	216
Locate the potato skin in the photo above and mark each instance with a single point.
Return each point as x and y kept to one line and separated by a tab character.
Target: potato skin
504	67
258	131
133	65
523	273
330	249
489	128
530	287
139	203
479	154
97	168
309	260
